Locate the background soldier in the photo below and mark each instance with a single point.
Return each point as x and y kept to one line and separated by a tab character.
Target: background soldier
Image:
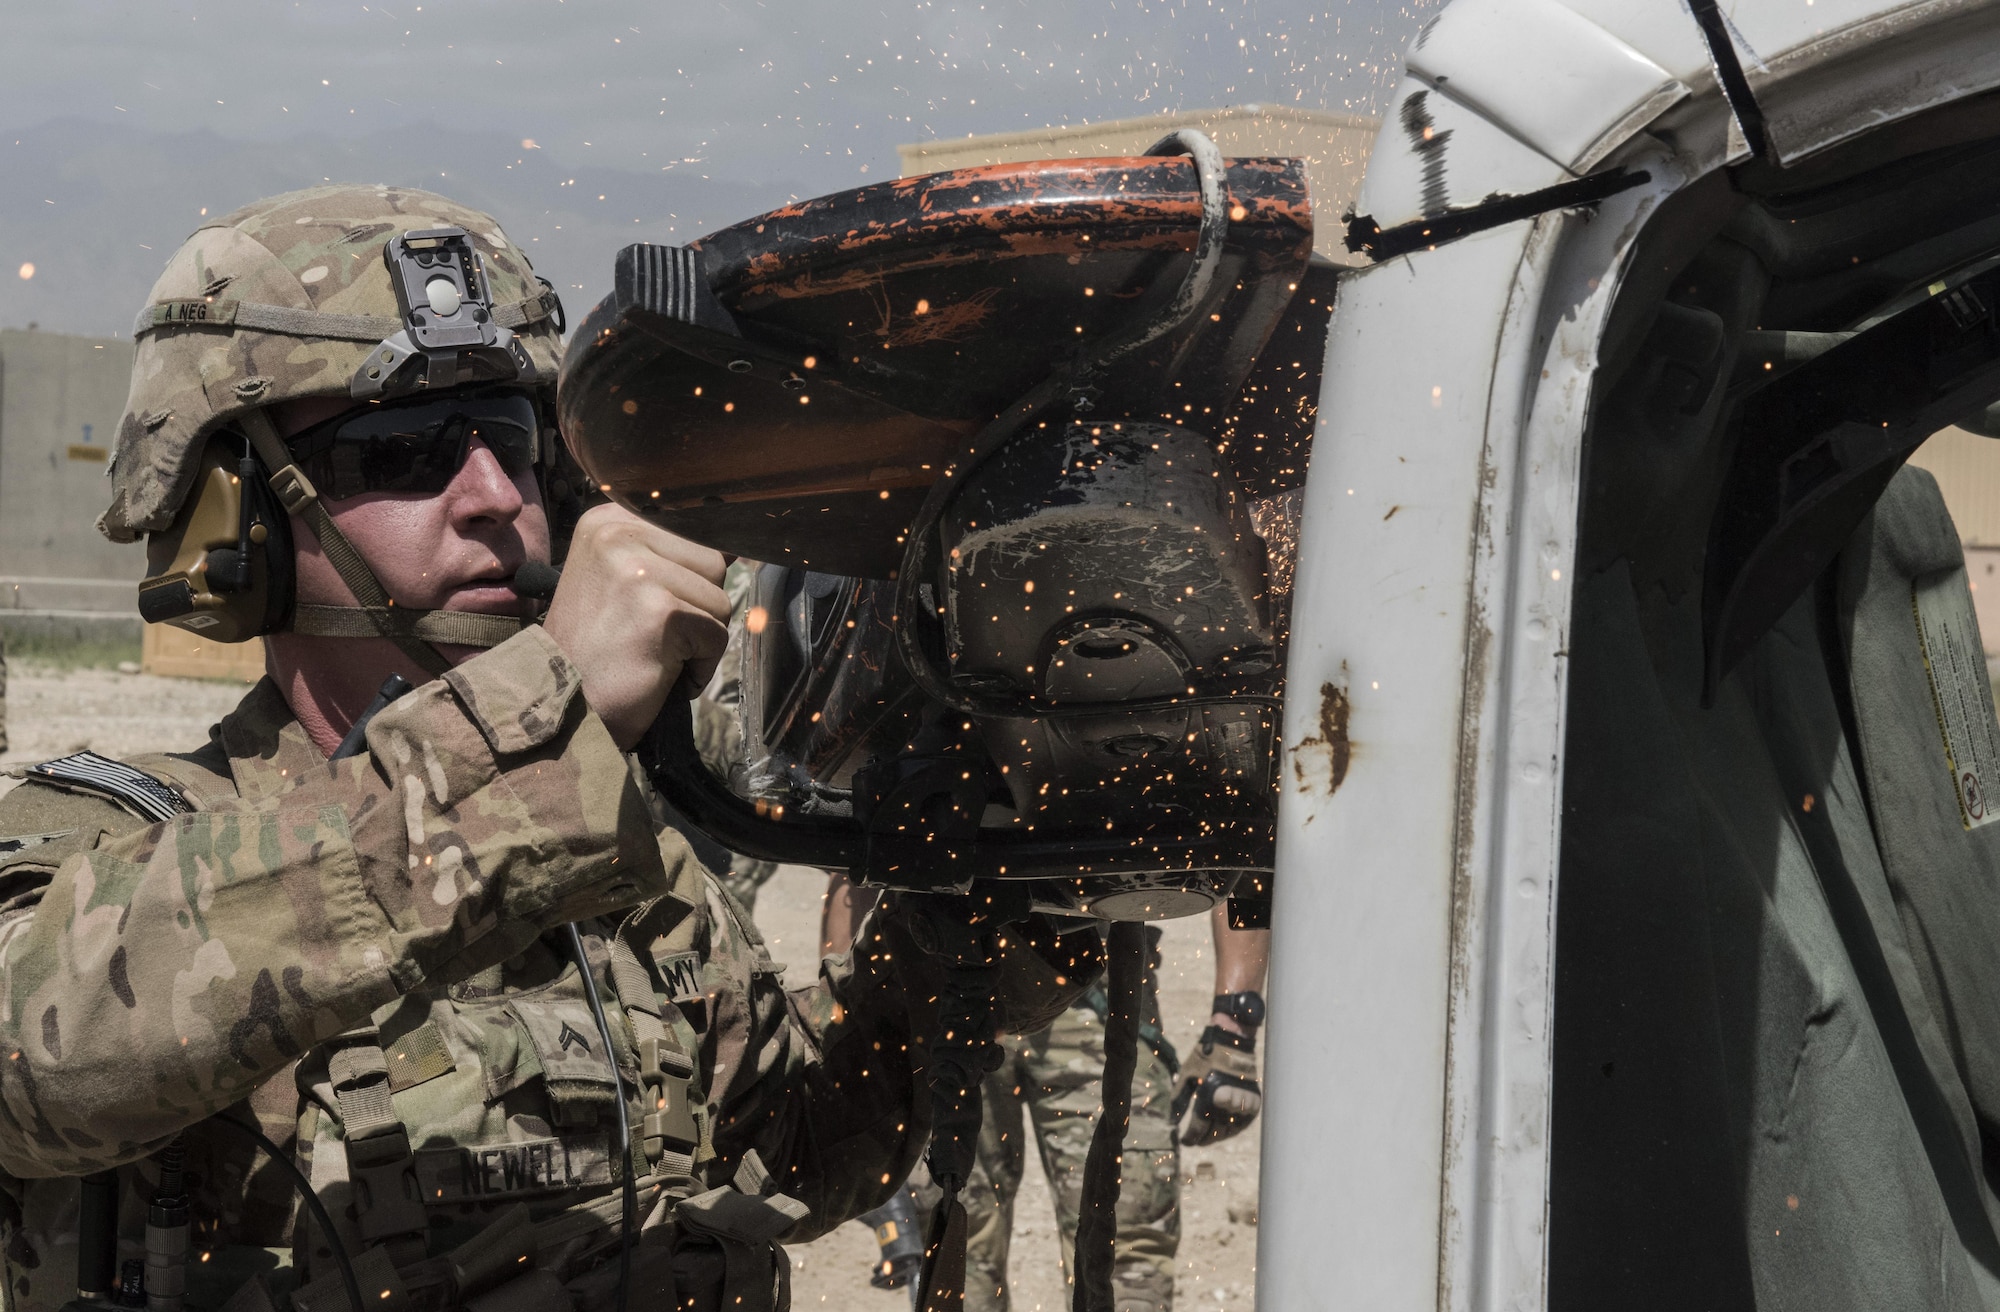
368	961
1055	1077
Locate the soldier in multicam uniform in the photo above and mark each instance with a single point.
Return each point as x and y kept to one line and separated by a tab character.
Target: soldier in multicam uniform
364	958
1055	1077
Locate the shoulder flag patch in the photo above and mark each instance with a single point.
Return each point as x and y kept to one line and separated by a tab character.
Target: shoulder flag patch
139	792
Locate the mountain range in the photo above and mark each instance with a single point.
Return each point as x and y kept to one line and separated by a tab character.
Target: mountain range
97	208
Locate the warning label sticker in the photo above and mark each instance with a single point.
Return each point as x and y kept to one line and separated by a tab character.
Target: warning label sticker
1956	661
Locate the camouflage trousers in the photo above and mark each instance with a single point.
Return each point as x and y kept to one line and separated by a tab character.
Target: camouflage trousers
745	876
1054	1077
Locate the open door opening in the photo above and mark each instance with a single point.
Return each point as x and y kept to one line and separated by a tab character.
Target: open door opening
1777	1014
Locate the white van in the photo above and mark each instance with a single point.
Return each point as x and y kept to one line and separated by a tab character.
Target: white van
1637	913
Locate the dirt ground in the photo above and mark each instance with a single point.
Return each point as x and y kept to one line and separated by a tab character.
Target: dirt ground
51	712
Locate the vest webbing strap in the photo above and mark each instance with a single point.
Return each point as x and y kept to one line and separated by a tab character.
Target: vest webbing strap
297	494
389	1209
360	1075
662	1062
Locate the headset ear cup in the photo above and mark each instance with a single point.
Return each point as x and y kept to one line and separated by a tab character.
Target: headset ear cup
191	564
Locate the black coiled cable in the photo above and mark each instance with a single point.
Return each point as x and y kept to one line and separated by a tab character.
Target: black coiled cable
1097	1209
631	1200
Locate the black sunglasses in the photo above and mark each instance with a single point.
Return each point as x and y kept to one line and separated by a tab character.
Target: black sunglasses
416	445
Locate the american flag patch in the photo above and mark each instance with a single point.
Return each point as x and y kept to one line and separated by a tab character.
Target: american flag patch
133	788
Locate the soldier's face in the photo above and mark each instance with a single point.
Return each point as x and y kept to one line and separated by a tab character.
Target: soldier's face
453	550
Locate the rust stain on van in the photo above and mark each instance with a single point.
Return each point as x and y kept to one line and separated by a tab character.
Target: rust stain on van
1332	750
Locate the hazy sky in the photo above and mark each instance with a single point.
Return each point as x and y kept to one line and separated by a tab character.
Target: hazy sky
583	124
814	89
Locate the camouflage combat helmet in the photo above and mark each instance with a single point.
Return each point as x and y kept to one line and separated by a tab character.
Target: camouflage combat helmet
281	300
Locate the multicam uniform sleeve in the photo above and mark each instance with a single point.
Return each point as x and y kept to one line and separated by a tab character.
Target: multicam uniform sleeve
162	975
827	1081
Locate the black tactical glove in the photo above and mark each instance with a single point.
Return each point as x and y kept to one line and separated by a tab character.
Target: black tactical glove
1218	1095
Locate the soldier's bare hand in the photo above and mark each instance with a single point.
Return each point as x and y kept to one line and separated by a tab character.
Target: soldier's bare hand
636	607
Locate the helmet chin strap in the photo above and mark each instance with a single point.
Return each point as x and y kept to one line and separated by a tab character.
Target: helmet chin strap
457	628
378	616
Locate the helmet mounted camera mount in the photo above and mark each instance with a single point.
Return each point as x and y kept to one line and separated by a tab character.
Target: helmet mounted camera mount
448	337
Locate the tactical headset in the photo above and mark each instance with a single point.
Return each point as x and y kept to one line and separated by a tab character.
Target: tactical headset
224	567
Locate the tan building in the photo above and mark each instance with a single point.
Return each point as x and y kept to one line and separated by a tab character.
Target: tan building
61	397
1333	146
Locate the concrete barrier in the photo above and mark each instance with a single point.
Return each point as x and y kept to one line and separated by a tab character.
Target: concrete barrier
43	629
61	397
